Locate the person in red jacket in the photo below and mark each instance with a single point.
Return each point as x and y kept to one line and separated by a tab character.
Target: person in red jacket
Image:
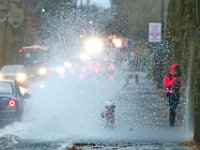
173	87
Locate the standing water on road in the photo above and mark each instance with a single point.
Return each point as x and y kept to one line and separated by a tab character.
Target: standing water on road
69	107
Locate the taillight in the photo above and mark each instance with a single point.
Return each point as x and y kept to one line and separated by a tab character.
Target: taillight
12	103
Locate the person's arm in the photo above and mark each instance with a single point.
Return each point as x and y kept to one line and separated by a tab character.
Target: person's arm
168	82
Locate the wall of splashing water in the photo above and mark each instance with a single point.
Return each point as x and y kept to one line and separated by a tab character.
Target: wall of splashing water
70	106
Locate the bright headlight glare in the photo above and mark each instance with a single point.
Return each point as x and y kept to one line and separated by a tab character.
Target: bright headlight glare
93	46
21	77
67	64
60	70
84	57
1	77
42	71
117	42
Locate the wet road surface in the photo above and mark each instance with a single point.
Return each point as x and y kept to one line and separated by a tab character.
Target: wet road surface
141	124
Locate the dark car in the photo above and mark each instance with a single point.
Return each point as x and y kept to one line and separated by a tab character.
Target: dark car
11	101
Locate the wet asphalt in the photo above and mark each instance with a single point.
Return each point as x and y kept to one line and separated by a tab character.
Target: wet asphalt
140	109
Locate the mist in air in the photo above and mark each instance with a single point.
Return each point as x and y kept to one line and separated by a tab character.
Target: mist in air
68	103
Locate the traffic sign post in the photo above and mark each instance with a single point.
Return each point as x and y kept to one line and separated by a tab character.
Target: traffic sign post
155	38
155	32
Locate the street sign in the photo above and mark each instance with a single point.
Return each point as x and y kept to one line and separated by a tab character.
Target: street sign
155	31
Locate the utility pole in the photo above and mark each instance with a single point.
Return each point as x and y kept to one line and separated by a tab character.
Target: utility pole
162	18
25	17
160	51
5	34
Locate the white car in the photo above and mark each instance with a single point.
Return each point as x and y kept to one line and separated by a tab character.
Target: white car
15	72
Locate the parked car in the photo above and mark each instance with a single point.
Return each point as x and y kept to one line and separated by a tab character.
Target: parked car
11	101
15	72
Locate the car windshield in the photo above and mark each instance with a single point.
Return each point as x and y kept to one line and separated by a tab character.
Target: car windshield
32	58
12	69
6	88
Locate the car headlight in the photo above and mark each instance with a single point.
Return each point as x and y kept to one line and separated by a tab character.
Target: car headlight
67	64
60	70
21	77
1	76
93	46
42	71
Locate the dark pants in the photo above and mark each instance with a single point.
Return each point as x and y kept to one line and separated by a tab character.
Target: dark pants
173	100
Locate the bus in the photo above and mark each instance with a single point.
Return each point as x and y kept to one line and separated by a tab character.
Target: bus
36	60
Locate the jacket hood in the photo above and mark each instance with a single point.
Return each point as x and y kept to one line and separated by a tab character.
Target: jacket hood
173	66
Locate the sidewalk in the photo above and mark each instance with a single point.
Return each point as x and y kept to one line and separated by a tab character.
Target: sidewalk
145	113
144	106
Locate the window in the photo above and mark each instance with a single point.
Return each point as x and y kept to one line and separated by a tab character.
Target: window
6	88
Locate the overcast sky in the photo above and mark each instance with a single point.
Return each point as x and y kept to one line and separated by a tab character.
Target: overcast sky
102	3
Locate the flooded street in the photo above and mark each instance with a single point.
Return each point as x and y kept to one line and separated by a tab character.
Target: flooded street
83	145
55	121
